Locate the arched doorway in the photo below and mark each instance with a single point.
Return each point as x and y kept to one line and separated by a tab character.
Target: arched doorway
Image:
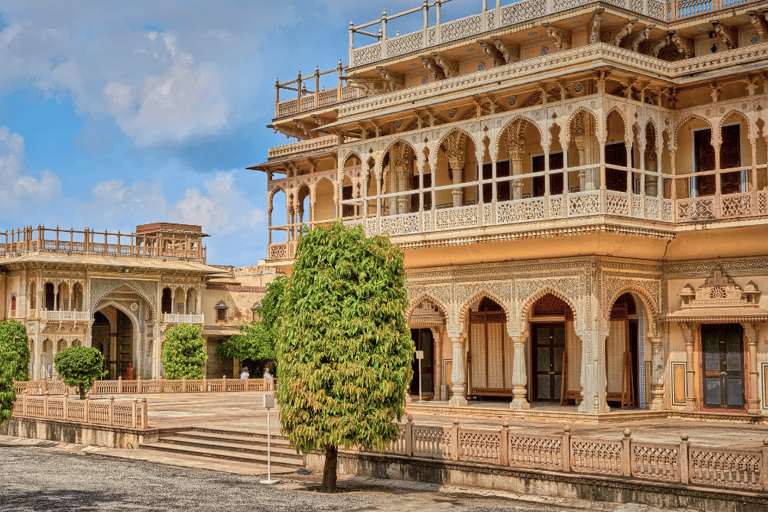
489	362
113	335
621	354
555	352
100	336
424	341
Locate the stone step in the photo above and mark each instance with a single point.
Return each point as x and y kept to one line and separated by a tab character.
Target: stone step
233	437
283	450
294	462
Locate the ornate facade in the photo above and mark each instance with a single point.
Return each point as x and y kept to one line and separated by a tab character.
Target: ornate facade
580	189
121	292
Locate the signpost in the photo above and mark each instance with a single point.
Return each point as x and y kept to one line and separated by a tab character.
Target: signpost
269	403
420	357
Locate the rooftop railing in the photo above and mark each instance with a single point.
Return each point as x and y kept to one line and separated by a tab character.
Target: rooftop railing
489	19
88	241
306	99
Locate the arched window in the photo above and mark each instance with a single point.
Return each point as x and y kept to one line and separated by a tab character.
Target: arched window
13	305
221	311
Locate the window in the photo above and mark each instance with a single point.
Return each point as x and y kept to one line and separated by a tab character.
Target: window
166	304
347	210
555	180
427	195
616	154
13	305
503	190
221	311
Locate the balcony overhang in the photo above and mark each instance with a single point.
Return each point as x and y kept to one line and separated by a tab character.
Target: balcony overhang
111	262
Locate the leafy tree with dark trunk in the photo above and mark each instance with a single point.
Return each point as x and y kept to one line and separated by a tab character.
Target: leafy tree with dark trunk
344	352
184	352
14	363
79	366
256	341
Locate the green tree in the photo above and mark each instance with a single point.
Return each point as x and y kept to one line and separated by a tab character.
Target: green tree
256	341
344	352
79	366
14	363
184	352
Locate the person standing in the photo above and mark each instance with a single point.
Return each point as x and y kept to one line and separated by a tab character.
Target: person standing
245	374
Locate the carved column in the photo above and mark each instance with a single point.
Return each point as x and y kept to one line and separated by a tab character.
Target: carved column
458	374
690	372
519	375
657	374
457	170
753	398
516	157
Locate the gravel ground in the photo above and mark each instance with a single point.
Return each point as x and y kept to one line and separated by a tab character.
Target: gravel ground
34	479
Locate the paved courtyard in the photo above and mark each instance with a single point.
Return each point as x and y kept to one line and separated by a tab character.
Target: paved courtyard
45	476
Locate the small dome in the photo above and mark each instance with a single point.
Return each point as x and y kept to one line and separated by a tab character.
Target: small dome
751	287
688	291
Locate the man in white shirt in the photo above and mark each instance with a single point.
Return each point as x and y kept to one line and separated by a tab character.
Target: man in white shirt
245	374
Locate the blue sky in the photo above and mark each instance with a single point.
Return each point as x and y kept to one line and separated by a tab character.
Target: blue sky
118	113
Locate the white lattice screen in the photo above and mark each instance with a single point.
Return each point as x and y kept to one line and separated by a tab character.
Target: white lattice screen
574	358
614	355
477	334
495	358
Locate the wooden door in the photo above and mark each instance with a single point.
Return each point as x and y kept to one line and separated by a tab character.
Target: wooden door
423	340
723	366
547	348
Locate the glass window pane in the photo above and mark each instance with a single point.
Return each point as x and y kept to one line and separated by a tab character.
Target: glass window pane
559	335
713	391
558	386
542	359
735	395
559	359
544	391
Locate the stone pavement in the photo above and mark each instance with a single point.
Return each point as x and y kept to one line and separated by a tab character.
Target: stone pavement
44	475
243	411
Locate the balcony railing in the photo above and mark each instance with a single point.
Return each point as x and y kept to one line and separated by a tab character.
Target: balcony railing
739	192
471	26
680	9
171	318
307	100
87	241
77	316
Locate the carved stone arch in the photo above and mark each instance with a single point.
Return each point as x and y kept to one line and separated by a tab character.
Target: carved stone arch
545	290
509	124
648	301
623	116
572	117
349	155
483	293
656	134
271	196
451	131
130	314
426	296
313	188
98	293
750	132
693	116
397	140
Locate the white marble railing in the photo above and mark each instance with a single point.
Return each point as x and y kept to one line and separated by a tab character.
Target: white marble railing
80	316
170	318
488	20
727	206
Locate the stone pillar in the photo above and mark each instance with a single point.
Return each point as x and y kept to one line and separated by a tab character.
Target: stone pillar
516	158
657	374
458	374
688	333
519	375
457	170
753	399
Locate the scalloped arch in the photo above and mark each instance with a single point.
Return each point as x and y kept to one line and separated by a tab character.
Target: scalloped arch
750	133
455	129
350	155
421	298
689	118
95	307
573	116
645	297
547	290
483	293
623	119
518	117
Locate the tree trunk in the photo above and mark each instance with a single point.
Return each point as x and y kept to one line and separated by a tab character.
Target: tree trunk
329	470
81	389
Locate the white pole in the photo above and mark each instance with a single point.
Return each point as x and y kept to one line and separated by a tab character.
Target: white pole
269	447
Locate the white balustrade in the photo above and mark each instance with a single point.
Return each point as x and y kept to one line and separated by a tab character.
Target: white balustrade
171	318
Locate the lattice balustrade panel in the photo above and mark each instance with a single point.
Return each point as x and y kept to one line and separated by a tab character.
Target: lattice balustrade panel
454	218
461	28
637	206
55	387
487	214
431	442
736	205
616	203
479	446
520	211
236	385
637	5
370	227
722	467
123	414
692	7
56	408
657	10
256	385
35	406
195	386
653	461
617	3
328	97
278	251
695	209
172	386
400	224
130	386
150	386
651	207
98	412
285	108
584	203
762	202
666	210
525	10
431	35
215	385
18	407
308	102
556	207
348	92
366	54
592	456
76	410
398	445
490	20
405	44
538	452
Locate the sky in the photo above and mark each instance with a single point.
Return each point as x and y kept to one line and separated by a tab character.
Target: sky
120	113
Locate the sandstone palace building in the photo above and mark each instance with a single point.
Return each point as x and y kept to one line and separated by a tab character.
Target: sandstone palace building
120	293
580	189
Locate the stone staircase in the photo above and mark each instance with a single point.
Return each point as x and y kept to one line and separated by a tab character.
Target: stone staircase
242	447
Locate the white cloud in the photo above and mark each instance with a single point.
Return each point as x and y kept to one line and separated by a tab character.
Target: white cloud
17	186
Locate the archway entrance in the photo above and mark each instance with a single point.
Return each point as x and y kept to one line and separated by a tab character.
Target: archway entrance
621	354
112	334
489	361
555	353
